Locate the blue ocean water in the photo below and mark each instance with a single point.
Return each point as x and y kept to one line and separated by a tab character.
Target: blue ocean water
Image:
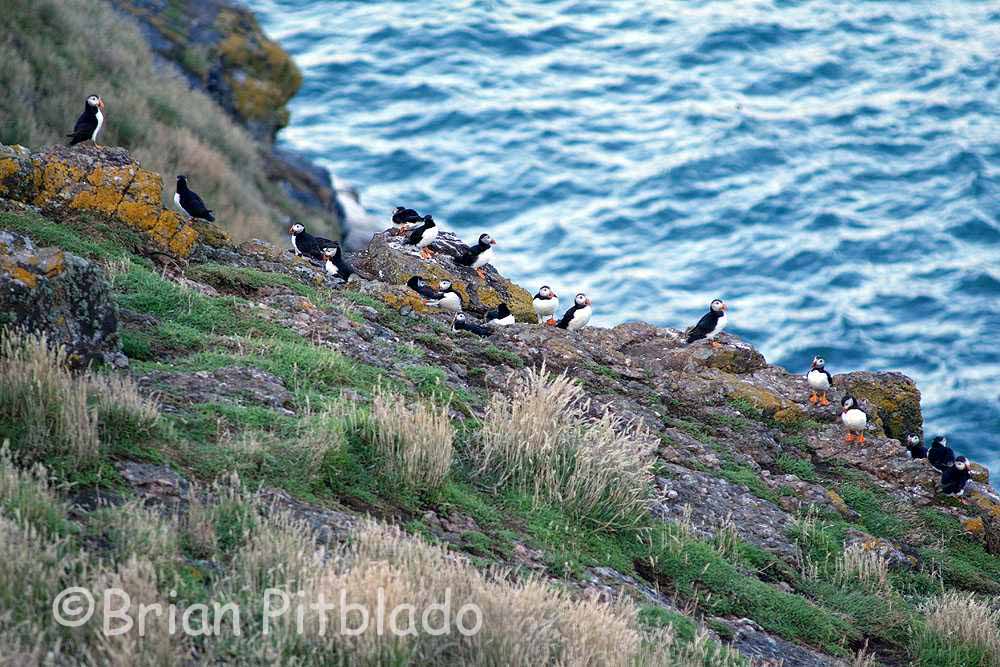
830	168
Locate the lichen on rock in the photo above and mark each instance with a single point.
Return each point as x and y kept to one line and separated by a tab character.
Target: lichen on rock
68	298
63	181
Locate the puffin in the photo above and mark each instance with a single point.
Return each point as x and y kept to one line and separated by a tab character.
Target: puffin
710	325
953	479
336	265
305	244
89	123
578	315
913	447
423	236
546	303
188	201
500	317
461	323
854	419
403	218
478	255
820	381
447	298
940	455
423	288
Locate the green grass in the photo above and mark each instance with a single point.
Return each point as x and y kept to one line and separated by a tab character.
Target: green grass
247	281
91	239
748	477
801	468
877	515
495	354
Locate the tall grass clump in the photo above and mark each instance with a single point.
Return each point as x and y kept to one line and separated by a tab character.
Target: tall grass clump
961	630
540	439
49	412
412	442
866	567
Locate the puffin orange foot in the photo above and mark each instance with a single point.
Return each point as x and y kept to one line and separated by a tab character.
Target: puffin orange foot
861	438
482	273
813	398
849	437
823	400
715	344
551	322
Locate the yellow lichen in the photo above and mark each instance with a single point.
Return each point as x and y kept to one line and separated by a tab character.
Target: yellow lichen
8	166
974	525
782	410
24	276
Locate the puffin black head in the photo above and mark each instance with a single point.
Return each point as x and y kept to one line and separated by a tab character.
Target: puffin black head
428	220
444	285
415	283
182	181
296	229
961	463
459	320
486	240
95	101
581	300
848	402
818	363
939	441
331	251
912	440
545	292
502	311
718	305
398	209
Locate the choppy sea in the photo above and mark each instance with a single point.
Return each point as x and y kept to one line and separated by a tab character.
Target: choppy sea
829	168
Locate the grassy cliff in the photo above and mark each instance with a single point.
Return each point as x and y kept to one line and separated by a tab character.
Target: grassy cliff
53	53
634	502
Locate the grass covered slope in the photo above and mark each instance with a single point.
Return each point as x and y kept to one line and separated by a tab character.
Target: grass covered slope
53	53
279	413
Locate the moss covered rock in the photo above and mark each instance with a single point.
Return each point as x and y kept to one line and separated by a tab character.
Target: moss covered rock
63	180
66	297
221	48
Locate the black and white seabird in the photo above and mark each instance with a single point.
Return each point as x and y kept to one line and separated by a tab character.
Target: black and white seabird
188	201
90	122
954	479
578	315
500	317
335	263
940	455
914	449
402	218
423	288
710	325
854	418
478	255
305	244
820	381
447	299
423	236
461	323
546	303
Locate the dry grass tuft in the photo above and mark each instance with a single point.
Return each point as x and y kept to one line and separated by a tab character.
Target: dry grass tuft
413	442
962	619
540	440
53	412
867	567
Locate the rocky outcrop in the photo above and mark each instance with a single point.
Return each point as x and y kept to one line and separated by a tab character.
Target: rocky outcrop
68	298
221	48
388	260
65	181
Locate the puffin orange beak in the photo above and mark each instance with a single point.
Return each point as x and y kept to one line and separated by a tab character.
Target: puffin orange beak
554	295
493	242
289	230
725	307
588	302
100	103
